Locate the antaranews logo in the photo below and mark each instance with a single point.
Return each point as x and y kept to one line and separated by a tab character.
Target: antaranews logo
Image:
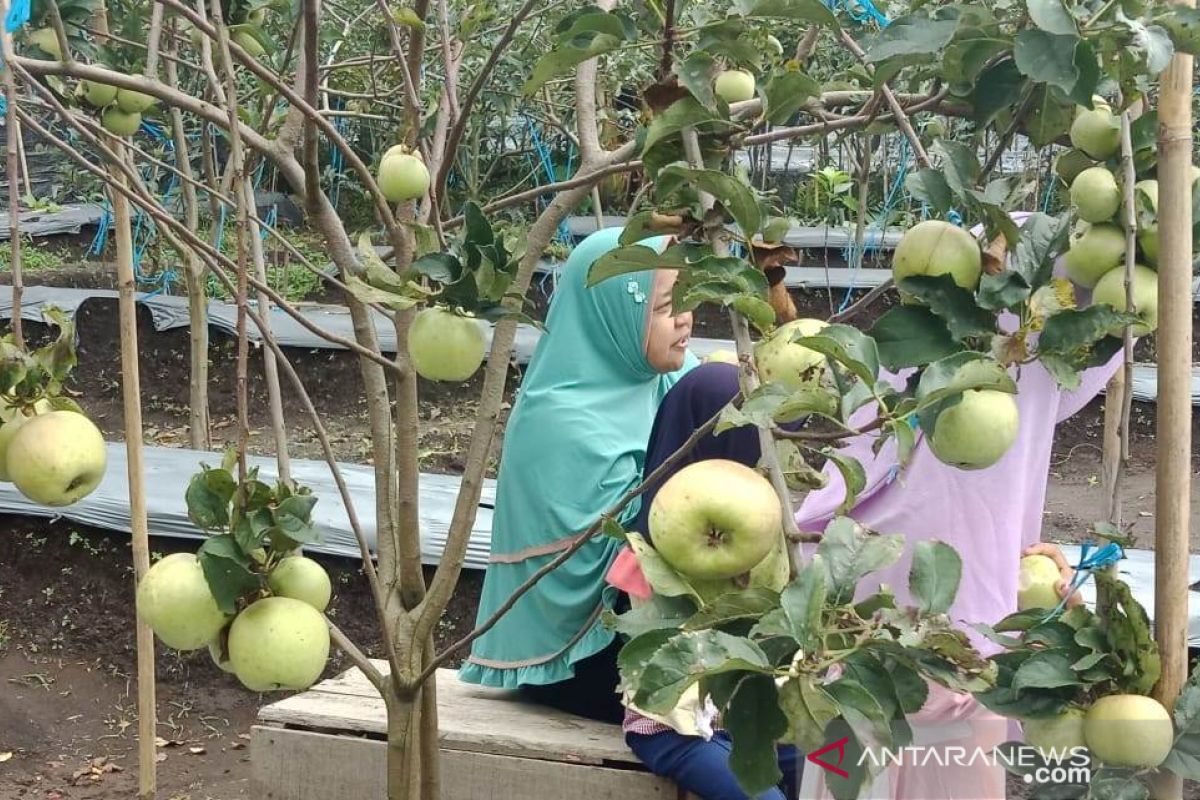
1068	766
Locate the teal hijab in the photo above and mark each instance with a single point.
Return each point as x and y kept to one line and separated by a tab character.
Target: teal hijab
574	444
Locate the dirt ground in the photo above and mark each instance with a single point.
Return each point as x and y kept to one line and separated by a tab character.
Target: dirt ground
67	693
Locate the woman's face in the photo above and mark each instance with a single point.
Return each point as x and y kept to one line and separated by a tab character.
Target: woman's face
667	335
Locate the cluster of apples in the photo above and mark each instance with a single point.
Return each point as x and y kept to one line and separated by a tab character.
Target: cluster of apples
55	458
121	110
279	641
1096	256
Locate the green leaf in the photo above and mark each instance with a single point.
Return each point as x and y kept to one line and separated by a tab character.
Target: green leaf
1003	290
1048	118
809	710
1117	787
802	10
1089	74
911	35
755	722
756	310
408	18
911	336
960	165
1049	669
1052	17
1129	637
959	373
1047	58
227	571
1043	239
1184	758
623	260
759	408
683	113
803	601
207	497
1182	23
997	89
688	657
658	573
1072	330
786	93
934	576
851	553
854	477
734	195
294	519
638	651
590	34
696	73
656	614
848	346
366	293
804	402
954	304
862	711
441	267
929	185
733	606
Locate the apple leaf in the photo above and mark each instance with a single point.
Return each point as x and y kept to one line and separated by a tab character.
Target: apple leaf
802	10
293	517
1052	17
637	652
785	93
961	372
227	571
1074	330
658	573
696	74
755	723
1049	669
1047	58
366	293
1109	786
1184	758
733	194
687	658
809	710
862	710
803	601
797	472
851	552
952	303
911	336
934	576
1043	238
854	477
1129	637
759	408
588	34
805	401
634	258
440	267
657	613
849	347
687	112
733	606
929	186
208	496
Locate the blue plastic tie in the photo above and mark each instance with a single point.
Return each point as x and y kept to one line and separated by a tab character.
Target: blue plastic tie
1089	562
18	15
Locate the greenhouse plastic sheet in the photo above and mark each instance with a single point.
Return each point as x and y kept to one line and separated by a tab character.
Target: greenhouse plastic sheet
169	470
68	219
108	508
169	312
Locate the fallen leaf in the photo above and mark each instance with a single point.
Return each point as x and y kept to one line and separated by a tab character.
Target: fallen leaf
5	756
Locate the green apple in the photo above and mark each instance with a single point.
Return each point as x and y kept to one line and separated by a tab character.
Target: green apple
444	346
780	359
278	643
1057	738
1096	132
735	86
403	176
1095	195
715	519
121	123
774	45
773	573
1036	581
133	102
1098	250
57	458
934	247
1129	730
174	599
977	431
8	431
1110	289
99	94
303	579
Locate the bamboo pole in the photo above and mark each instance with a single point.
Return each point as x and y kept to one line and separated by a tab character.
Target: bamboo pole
131	393
1174	435
12	135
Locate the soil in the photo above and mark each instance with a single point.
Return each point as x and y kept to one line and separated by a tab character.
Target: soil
67	656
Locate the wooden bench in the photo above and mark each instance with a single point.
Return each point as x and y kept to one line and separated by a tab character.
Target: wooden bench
329	742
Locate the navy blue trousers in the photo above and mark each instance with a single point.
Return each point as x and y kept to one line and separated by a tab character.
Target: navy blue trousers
702	767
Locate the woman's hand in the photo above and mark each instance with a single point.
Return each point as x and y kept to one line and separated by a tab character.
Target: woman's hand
1055	554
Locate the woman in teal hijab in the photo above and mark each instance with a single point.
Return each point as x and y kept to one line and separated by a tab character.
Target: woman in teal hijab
574	444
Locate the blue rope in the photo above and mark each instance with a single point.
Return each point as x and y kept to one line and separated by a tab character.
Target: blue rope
877	228
1089	562
861	11
18	15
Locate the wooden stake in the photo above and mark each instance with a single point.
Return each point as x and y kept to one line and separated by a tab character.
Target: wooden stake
12	135
131	392
1174	435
